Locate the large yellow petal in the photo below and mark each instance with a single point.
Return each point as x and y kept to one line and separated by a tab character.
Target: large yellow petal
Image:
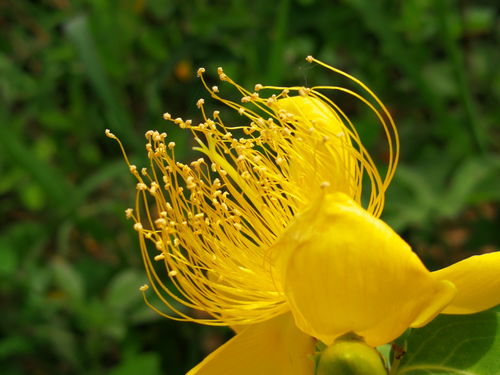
346	271
478	283
269	348
323	148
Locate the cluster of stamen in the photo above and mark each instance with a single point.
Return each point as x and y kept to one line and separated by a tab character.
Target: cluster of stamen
212	222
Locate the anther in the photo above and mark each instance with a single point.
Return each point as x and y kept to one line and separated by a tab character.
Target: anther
309	59
128	213
160	222
304	91
200	72
166	116
325	185
108	134
200	102
159	257
144	287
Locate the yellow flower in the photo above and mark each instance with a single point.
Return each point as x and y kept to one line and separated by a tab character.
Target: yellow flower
267	234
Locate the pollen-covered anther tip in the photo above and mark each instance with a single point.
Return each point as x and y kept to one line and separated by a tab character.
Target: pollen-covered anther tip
138	227
271	100
324	185
172	273
304	91
159	257
258	87
167	116
128	213
200	72
161	222
246	99
171	145
309	59
241	110
144	287
215	88
200	102
108	134
132	168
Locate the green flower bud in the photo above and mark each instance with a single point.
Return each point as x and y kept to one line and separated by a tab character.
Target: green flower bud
349	355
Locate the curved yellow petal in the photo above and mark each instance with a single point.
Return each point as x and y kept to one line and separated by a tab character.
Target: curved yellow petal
313	110
323	147
477	280
269	348
346	271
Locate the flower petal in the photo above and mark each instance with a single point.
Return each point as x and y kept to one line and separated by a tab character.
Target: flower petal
346	271
269	348
323	147
477	280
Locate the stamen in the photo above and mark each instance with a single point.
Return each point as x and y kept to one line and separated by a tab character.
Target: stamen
211	225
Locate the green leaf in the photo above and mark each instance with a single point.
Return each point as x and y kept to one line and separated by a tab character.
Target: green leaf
9	258
14	345
123	291
80	34
68	279
62	340
466	180
454	344
145	364
50	179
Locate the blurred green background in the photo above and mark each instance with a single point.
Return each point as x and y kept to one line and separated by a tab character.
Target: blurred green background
69	262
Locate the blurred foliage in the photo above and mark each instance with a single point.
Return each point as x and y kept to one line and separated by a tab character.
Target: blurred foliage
69	263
